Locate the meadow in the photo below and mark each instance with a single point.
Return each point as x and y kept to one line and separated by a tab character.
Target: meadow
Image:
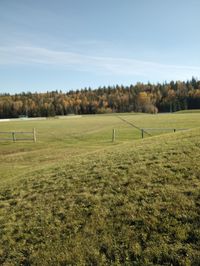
76	198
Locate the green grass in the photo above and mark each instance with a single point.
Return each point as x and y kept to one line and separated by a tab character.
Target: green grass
61	139
76	198
188	111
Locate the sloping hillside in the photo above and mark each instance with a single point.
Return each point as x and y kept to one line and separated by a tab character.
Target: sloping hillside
136	203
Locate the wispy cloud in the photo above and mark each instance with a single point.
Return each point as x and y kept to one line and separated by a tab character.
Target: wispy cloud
29	55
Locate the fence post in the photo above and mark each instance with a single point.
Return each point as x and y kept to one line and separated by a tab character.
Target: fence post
34	135
13	136
142	131
113	135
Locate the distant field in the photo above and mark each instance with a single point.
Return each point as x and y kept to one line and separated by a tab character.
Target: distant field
61	139
76	198
189	111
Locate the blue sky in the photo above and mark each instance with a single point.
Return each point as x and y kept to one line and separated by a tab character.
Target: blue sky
72	44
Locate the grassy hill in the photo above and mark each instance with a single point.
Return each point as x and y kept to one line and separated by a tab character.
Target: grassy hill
76	198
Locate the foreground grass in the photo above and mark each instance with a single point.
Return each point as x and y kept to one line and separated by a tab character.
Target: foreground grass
136	203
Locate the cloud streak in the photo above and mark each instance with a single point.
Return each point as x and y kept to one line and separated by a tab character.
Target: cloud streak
29	55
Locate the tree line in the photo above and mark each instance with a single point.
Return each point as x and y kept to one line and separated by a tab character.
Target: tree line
149	98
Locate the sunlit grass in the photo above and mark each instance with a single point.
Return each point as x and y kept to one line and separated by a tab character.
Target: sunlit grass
76	198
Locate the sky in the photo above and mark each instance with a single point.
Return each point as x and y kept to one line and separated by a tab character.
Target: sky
72	44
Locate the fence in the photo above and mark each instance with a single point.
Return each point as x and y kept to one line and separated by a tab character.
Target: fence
146	130
141	132
18	135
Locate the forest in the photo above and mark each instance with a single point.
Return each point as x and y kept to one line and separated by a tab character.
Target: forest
149	98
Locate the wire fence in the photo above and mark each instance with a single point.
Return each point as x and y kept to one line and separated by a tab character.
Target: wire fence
18	135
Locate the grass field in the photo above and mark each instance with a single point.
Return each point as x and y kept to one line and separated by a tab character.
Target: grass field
188	111
76	198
